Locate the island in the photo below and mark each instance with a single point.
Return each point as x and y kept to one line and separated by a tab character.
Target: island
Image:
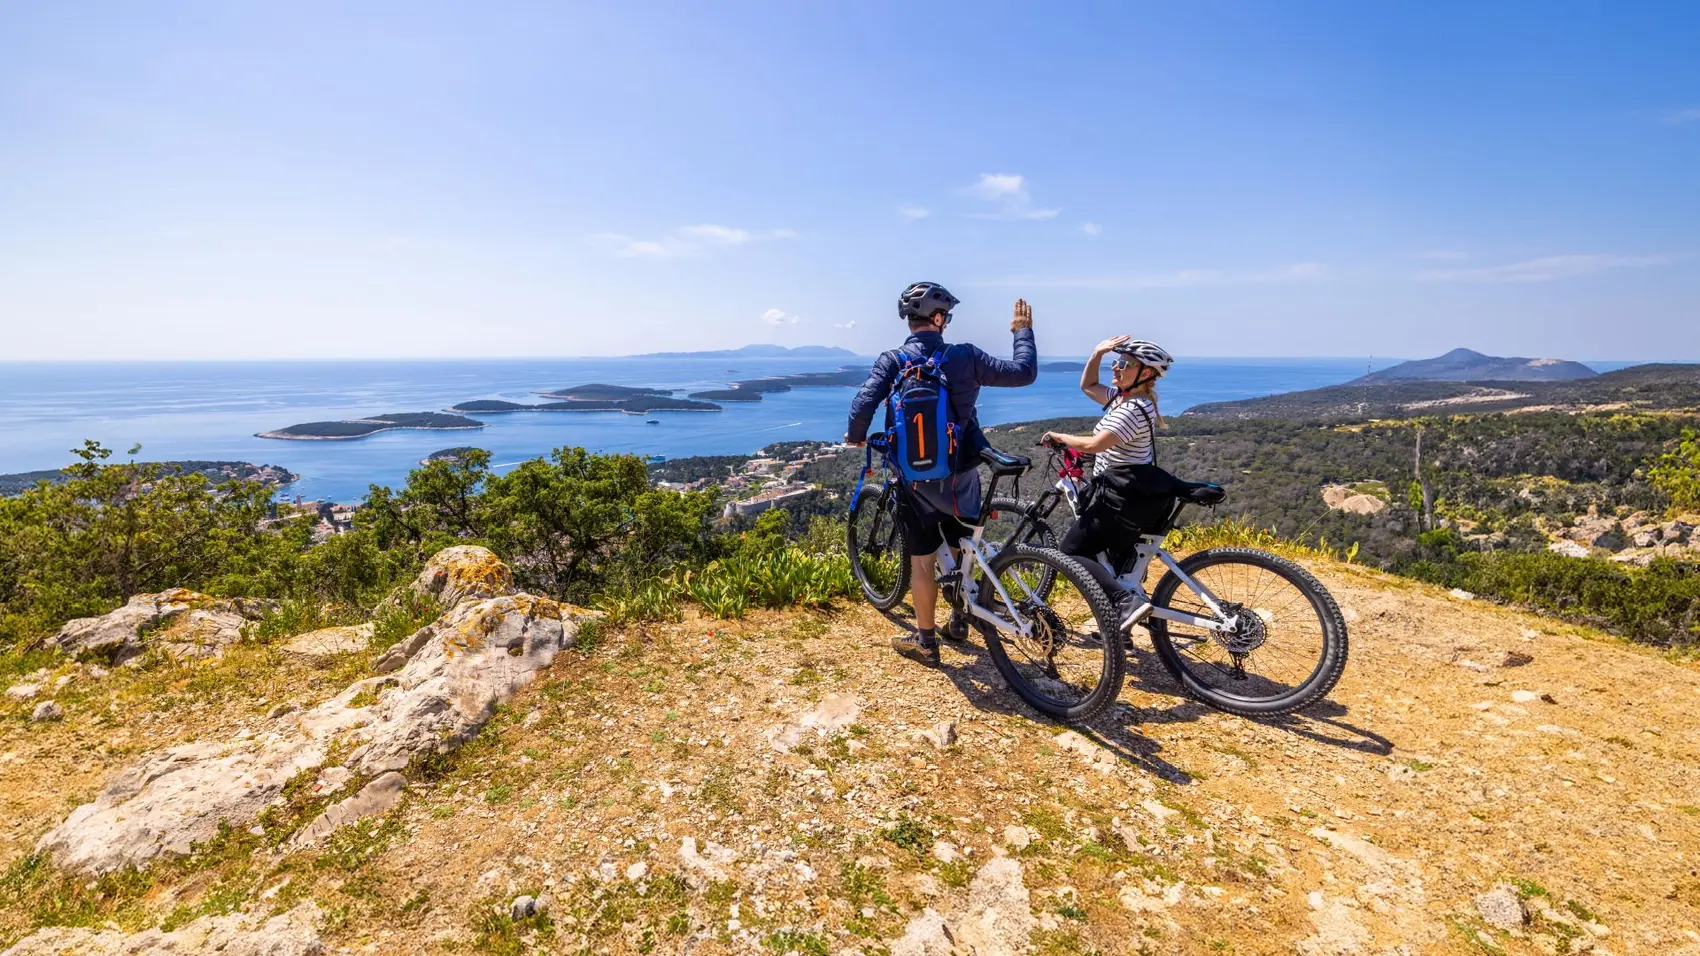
361	427
638	405
597	390
1062	366
456	454
751	390
216	472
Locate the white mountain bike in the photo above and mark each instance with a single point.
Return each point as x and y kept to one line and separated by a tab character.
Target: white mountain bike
1040	611
1245	631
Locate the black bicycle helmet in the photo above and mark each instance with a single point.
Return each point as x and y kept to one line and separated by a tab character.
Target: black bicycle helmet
922	299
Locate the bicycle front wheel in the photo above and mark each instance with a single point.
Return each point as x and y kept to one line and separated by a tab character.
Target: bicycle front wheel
879	548
1064	666
1287	650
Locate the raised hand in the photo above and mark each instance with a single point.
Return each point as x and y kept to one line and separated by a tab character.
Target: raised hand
1023	316
1105	346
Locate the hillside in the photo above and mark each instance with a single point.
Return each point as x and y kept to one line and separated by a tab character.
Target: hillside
762	785
216	472
1651	387
1465	365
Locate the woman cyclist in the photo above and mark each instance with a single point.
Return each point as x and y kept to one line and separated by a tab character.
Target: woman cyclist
1125	445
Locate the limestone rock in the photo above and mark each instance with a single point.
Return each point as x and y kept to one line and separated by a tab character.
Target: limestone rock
23	691
835	713
47	710
235	934
375	798
330	641
1342	498
926	935
1569	549
474	657
174	799
466	571
1017	837
522	907
1502	908
999	920
706	865
941	735
184	623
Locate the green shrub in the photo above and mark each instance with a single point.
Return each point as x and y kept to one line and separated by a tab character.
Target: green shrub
1657	604
1677	471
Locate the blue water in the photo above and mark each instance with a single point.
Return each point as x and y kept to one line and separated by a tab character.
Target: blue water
212	410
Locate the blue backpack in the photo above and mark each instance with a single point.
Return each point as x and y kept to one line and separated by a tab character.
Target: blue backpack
919	422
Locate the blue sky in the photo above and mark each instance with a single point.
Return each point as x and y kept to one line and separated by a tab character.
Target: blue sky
418	179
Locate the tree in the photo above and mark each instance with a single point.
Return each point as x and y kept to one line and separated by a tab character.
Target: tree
1677	472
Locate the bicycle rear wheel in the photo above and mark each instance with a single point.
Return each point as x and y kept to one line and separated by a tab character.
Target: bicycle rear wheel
1288	651
1064	667
879	548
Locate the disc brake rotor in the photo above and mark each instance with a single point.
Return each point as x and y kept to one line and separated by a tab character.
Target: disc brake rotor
1248	634
1045	634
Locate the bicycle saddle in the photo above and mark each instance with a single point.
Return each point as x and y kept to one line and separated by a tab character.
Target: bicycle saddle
1002	463
1200	492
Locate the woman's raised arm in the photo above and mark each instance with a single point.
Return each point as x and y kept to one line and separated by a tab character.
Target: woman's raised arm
1095	390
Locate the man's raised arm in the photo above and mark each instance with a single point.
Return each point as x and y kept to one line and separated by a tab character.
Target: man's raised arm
1024	367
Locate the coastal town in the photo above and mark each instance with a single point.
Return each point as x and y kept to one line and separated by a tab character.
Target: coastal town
757	484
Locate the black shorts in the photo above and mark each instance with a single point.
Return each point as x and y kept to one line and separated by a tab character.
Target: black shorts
933	512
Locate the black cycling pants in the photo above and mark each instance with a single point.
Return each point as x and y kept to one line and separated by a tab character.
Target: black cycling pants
1095	533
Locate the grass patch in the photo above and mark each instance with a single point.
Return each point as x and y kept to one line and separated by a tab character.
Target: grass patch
910	834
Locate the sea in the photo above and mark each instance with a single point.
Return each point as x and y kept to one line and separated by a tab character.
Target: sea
214	410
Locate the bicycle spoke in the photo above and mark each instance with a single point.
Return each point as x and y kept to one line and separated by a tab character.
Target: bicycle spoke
1285	641
1063	658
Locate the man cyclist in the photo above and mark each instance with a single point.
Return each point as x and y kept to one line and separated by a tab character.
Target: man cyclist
933	511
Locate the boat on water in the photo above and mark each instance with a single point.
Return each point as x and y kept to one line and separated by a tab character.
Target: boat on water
657	457
652	421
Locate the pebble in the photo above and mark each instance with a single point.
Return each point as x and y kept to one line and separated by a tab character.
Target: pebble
946	852
23	691
1502	908
522	907
1524	696
1017	838
47	710
637	870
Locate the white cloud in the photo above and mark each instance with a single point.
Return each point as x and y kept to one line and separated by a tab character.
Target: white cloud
725	235
1677	117
1442	254
844	325
1091	228
1544	269
1181	279
780	317
912	213
684	241
1009	192
999	187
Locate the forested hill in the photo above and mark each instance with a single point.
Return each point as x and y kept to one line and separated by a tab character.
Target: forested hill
1656	387
1466	365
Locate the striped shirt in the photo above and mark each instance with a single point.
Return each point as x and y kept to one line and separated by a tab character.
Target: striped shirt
1134	422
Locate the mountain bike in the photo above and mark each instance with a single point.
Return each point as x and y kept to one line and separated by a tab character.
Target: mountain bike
1243	630
1049	648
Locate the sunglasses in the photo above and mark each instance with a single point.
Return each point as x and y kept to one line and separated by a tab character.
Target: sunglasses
1120	364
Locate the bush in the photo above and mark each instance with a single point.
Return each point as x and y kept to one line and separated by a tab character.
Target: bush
1677	472
1658	604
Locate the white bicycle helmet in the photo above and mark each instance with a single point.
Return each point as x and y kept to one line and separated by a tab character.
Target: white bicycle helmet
1149	354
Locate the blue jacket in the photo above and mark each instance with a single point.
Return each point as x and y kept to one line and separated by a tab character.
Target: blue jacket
966	370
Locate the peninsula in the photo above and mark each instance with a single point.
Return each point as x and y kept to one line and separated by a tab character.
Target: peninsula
361	427
760	351
635	405
597	390
216	471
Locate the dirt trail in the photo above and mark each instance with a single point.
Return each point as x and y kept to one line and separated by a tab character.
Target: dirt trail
1467	746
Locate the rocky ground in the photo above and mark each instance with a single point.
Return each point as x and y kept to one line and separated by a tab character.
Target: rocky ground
1481	781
